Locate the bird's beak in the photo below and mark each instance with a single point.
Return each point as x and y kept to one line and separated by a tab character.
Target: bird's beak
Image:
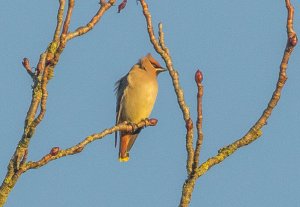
159	70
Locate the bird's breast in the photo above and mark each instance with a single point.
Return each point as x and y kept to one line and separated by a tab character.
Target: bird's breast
139	98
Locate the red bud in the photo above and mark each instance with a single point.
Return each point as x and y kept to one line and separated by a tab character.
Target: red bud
198	76
25	62
293	40
153	121
54	151
122	5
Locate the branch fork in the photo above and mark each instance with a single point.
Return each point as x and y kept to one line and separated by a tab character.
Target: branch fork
44	72
194	170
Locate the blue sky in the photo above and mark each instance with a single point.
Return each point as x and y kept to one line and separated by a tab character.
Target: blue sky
237	44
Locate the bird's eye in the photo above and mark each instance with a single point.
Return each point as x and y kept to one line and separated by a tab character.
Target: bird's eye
155	65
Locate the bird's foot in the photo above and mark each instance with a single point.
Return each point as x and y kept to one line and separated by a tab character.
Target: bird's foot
146	121
133	125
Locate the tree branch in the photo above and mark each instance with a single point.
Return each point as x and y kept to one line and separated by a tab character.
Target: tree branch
161	49
90	25
71	5
43	89
56	153
44	72
60	14
27	66
198	79
255	131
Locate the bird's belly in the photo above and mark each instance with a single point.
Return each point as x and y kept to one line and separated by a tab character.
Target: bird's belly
138	104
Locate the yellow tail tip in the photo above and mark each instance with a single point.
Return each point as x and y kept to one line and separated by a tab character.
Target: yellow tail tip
125	159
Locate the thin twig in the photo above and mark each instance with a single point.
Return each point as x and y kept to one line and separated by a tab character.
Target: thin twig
68	17
198	79
60	14
27	66
161	36
55	49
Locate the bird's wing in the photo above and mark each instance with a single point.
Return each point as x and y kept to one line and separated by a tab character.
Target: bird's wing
120	87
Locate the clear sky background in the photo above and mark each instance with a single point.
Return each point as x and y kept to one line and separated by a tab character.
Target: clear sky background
237	44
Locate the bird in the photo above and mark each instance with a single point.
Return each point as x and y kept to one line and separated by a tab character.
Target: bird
136	94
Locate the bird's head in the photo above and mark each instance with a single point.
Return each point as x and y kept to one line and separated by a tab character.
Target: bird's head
151	65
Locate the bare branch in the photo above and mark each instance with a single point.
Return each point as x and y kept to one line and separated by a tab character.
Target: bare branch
161	36
44	72
68	17
55	49
90	25
80	30
255	132
27	66
56	153
161	49
43	87
198	79
60	14
150	30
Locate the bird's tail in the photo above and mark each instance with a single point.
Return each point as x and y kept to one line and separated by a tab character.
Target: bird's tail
123	153
126	142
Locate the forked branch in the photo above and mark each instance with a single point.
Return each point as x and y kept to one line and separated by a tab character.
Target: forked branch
193	170
44	72
163	51
256	130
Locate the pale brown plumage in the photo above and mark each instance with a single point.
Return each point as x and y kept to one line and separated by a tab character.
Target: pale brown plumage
136	94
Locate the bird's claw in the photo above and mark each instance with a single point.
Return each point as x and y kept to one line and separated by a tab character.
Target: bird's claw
133	125
146	121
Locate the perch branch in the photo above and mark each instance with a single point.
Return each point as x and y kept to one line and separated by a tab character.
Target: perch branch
56	153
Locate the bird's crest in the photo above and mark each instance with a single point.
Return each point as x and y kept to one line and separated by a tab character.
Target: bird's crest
154	62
